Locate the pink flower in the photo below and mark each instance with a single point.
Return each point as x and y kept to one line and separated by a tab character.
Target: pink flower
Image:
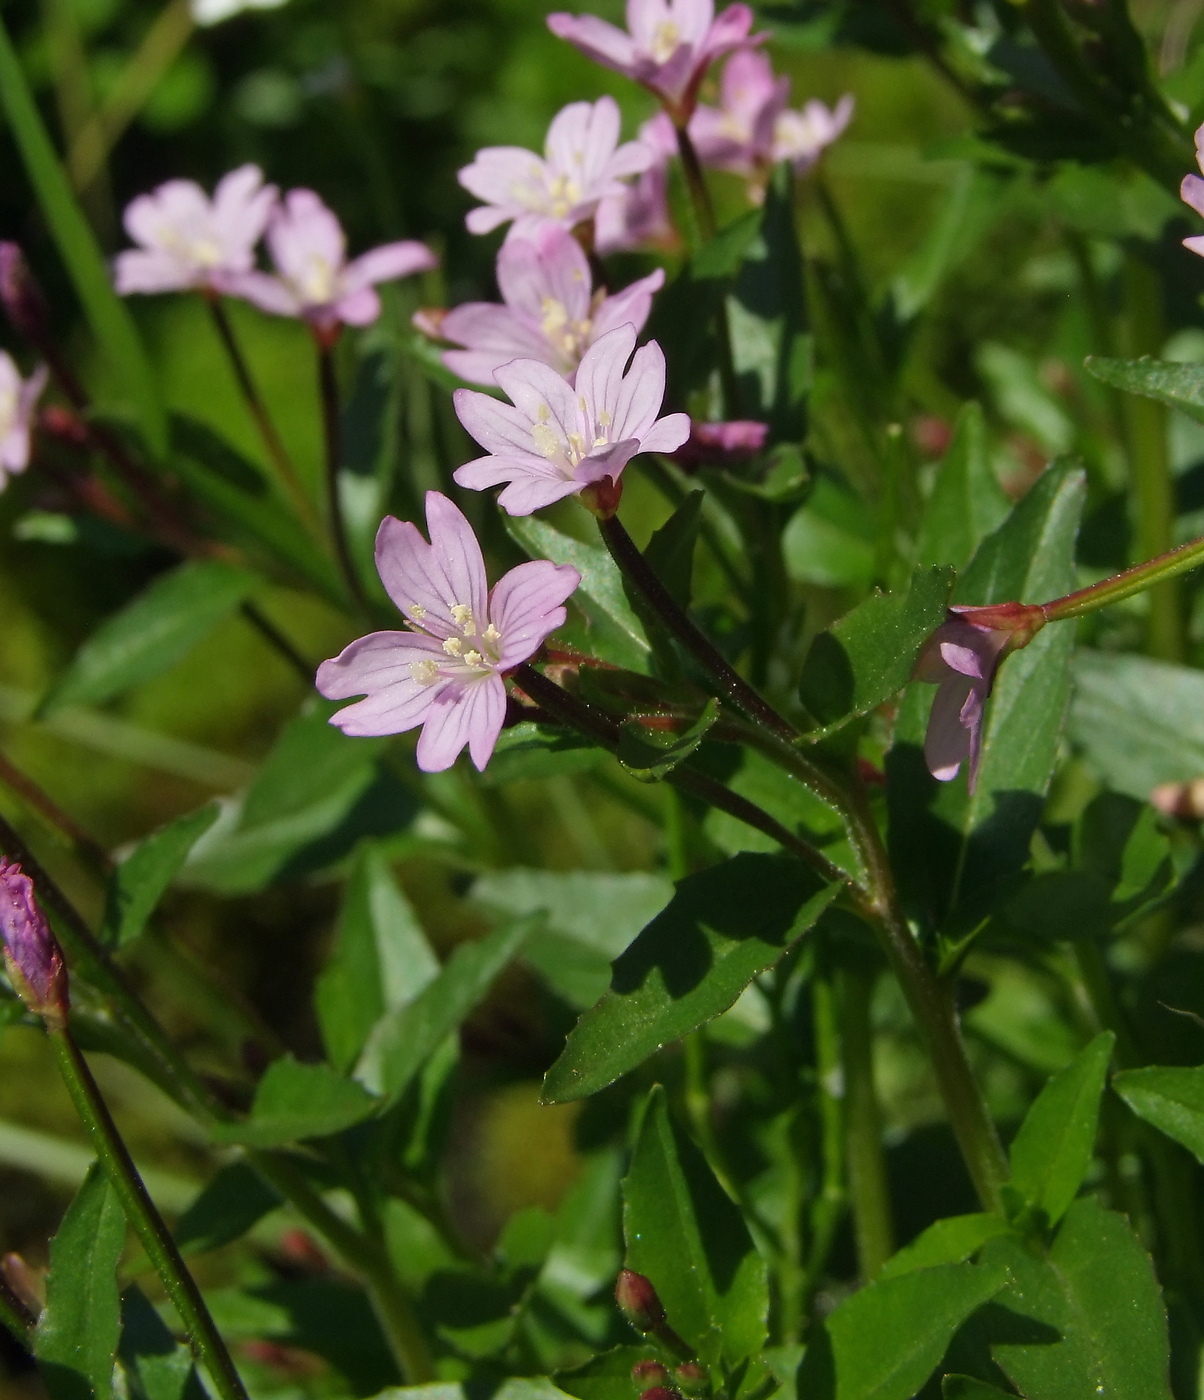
668	45
722	444
18	398
558	439
445	672
1192	192
753	129
314	279
31	954
583	163
187	240
638	216
549	313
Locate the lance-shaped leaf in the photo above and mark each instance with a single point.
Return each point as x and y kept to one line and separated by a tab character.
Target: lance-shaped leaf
140	881
649	754
294	1102
670	551
688	1237
236	1199
967	501
950	1241
76	1337
149	635
1170	1098
722	928
160	1367
1177	385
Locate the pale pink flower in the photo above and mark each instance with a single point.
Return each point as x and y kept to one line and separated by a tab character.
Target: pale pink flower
314	280
445	672
550	312
638	216
18	398
557	439
668	44
582	164
801	137
1192	192
188	240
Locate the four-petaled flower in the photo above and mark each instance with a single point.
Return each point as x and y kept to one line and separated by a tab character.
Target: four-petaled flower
314	279
445	673
558	439
582	164
188	240
668	45
549	312
1192	192
18	398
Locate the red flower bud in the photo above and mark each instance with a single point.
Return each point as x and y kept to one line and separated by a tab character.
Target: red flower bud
638	1301
660	1392
691	1378
647	1374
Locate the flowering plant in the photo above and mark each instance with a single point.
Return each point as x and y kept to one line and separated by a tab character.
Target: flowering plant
622	770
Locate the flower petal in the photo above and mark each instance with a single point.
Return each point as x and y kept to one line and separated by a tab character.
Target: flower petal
603	42
947	743
641	393
526	605
667	434
387	263
463	712
542	397
529	492
498	427
600	378
549	265
630	307
379	667
260	289
138	270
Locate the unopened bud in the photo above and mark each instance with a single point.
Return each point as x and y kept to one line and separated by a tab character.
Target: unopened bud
660	1392
692	1378
32	956
638	1301
21	296
649	1374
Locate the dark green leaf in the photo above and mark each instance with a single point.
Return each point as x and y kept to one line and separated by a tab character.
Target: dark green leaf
381	959
670	551
1179	386
975	201
649	754
140	881
723	927
967	1388
686	1235
156	1365
149	635
76	1337
967	501
885	1341
871	652
530	750
949	1241
404	1038
829	540
1052	1151
235	1200
1172	1099
110	319
295	1101
1087	1320
605	1377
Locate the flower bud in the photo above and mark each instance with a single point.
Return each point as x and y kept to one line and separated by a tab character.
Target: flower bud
649	1374
21	296
32	956
602	497
660	1392
691	1378
638	1301
721	444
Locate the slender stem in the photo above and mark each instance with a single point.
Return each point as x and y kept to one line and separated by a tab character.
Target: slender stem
206	1342
15	1315
328	386
46	807
275	638
869	1193
829	1204
258	409
732	686
1125	585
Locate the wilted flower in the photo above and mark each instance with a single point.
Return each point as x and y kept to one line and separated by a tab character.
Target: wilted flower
559	439
961	659
668	45
32	955
549	313
314	279
445	673
753	129
1192	192
582	164
188	240
18	398
638	216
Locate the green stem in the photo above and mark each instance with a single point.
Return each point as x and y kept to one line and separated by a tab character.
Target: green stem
829	1204
206	1342
869	1193
48	809
1134	580
276	639
731	685
328	388
15	1315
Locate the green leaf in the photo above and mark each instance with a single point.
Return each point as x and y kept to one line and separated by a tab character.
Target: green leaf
76	1337
723	927
975	201
967	1388
955	851
829	540
606	1376
1177	385
531	750
1052	1151
295	1101
403	1039
967	502
1172	1099
1087	1319
141	880
615	633
670	551
685	1234
149	635
650	754
157	1366
381	959
868	655
1137	722
886	1340
949	1241
231	1204
107	314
